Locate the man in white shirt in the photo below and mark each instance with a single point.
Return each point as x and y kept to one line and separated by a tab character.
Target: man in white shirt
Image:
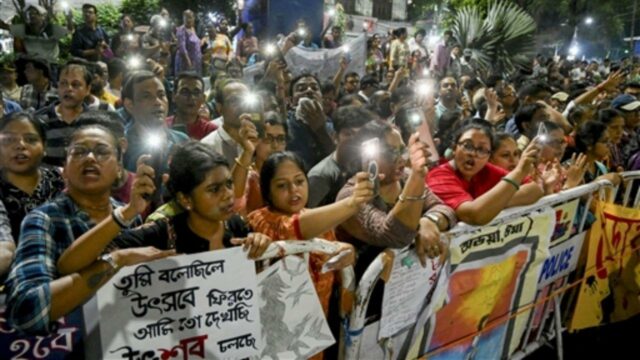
226	139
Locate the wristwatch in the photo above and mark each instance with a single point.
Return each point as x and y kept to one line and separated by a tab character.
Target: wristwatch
109	260
435	218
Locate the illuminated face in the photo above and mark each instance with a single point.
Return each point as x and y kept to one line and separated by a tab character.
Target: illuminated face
289	188
21	147
92	164
150	105
72	87
471	153
507	155
274	140
212	200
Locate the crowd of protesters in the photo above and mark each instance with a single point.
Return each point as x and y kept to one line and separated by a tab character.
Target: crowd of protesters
128	131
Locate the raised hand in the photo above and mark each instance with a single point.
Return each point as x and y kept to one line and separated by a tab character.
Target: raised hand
255	243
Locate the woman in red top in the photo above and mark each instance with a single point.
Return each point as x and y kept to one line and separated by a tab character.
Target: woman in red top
476	189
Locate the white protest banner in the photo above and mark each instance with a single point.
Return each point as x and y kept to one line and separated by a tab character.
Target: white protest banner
562	260
293	323
325	63
405	291
199	306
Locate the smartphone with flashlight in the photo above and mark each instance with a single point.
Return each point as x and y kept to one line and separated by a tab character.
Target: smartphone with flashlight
420	124
252	106
543	133
370	151
300	34
155	146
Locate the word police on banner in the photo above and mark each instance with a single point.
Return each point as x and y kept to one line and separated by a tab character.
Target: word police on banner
562	260
202	305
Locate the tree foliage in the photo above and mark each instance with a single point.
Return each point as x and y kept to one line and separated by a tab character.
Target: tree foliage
140	10
556	19
501	39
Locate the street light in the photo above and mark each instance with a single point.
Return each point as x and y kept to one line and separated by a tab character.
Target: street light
588	20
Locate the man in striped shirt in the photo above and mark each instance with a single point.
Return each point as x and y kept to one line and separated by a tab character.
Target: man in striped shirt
60	117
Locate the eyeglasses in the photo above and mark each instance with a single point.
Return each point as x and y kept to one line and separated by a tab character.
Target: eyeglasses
101	152
556	142
469	149
269	139
400	153
13	139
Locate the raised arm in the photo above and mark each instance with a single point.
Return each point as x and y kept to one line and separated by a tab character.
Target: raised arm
612	82
36	297
87	248
337	79
240	170
397	228
486	207
315	222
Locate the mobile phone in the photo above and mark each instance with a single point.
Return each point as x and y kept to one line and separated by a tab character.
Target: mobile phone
253	107
156	163
155	146
421	125
370	151
543	134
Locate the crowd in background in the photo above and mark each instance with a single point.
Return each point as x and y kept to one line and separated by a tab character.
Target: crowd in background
161	128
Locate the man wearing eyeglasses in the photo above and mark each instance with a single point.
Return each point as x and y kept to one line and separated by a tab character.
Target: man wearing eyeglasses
188	98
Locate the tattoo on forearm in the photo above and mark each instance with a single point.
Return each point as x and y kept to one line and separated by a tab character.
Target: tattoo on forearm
96	279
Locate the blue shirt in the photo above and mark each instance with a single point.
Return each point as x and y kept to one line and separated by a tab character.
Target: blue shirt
138	147
46	233
11	106
306	143
512	128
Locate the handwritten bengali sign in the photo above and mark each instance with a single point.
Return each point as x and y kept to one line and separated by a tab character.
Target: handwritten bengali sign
406	291
191	306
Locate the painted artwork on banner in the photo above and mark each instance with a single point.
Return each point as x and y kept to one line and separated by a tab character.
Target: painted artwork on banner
614	281
405	291
566	222
493	273
293	323
186	307
66	343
